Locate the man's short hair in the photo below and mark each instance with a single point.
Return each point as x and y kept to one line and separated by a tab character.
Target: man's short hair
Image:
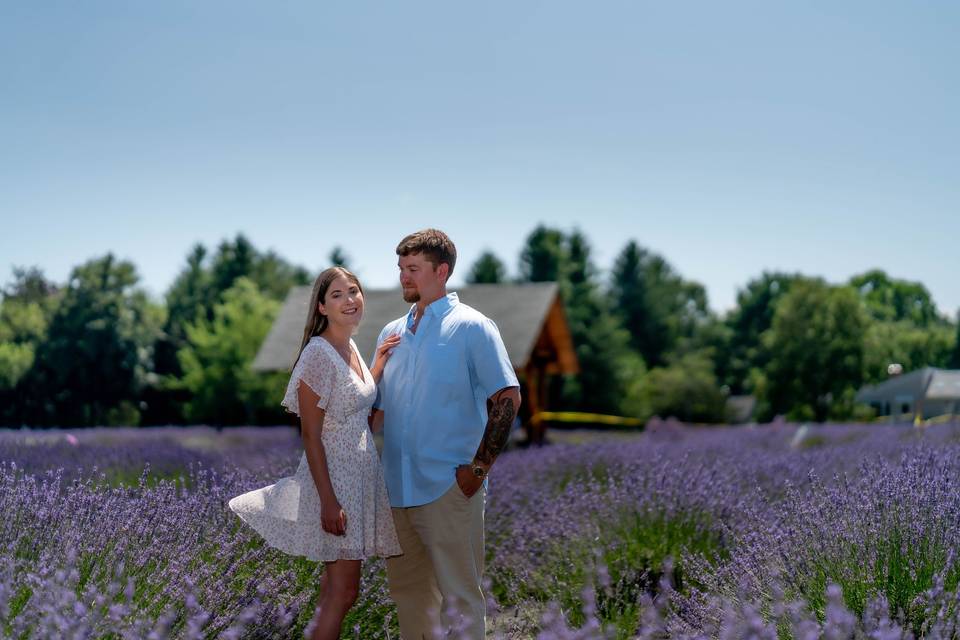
432	244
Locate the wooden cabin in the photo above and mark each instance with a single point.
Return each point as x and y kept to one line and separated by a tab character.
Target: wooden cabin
530	317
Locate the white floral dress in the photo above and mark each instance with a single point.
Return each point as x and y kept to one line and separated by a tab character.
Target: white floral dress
287	513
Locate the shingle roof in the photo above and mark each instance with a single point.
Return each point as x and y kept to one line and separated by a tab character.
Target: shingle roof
945	385
518	309
931	383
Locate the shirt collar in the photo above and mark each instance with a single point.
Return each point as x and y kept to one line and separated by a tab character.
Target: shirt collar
438	307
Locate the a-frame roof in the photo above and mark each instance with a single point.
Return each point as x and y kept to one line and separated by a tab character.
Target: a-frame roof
520	311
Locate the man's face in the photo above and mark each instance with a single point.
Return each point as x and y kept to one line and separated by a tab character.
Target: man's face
420	279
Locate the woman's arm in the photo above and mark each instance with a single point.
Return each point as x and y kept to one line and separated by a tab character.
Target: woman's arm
375	421
383	354
332	517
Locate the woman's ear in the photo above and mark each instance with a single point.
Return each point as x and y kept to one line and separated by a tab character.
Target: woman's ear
320	309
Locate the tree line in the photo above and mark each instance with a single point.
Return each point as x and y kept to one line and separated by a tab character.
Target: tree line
97	350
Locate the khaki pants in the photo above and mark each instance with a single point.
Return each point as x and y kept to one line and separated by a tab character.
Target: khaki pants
439	573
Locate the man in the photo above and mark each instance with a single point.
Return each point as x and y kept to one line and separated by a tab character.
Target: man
447	399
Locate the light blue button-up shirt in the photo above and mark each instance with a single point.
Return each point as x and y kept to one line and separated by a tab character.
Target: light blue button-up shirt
434	394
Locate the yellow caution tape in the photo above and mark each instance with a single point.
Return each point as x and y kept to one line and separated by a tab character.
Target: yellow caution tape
580	417
902	418
943	419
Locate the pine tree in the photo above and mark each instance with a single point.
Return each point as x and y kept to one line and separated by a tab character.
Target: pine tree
542	255
488	269
955	356
339	258
599	338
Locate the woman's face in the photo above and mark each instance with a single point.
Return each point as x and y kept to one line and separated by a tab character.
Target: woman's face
343	303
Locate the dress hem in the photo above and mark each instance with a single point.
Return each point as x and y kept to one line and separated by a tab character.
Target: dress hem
293	549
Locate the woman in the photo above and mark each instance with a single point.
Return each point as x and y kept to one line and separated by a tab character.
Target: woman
335	508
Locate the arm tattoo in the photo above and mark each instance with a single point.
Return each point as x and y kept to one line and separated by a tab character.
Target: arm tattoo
500	412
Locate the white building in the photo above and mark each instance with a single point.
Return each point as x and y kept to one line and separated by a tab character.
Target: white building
924	393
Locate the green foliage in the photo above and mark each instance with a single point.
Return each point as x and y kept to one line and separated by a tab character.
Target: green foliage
649	314
30	286
23	322
15	360
632	299
97	352
216	360
197	289
23	325
188	299
93	351
232	261
598	336
686	389
632	374
25	312
488	269
274	276
188	296
543	255
891	300
339	258
899	323
815	352
905	343
954	362
753	315
656	305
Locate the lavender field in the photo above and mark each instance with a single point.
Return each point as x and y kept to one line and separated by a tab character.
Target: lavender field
768	532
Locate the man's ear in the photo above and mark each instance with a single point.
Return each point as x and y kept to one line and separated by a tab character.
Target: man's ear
443	270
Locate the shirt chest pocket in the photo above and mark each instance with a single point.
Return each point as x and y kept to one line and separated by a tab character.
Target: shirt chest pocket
445	369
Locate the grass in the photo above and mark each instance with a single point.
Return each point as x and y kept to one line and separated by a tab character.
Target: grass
634	550
637	551
115	478
891	566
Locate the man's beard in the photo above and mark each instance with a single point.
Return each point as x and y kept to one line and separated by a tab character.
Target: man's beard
411	295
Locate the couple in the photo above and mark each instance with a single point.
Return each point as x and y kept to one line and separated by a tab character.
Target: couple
444	391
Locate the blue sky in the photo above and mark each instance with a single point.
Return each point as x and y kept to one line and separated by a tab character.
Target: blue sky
731	137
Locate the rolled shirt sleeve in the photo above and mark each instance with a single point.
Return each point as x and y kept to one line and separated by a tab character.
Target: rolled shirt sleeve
491	364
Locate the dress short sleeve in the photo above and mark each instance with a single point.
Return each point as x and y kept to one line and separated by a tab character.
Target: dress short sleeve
314	369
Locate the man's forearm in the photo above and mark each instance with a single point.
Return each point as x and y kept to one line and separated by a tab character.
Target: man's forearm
501	410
